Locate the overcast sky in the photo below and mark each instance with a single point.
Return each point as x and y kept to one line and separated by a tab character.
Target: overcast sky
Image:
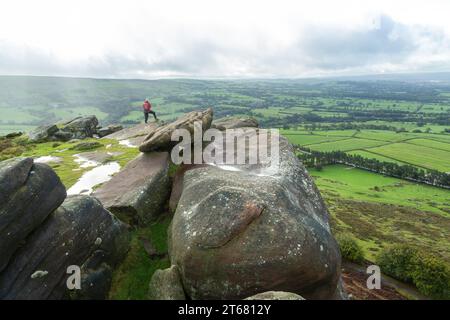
223	38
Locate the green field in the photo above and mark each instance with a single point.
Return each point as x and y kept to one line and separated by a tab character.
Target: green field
426	157
429	151
307	139
369	155
346	145
336	133
431	144
357	184
380	210
388	136
68	114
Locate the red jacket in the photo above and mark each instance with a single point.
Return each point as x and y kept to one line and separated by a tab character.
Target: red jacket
147	106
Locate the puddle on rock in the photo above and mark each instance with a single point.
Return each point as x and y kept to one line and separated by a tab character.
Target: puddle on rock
85	162
47	159
93	177
126	143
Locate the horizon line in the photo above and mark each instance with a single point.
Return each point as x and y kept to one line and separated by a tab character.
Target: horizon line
232	78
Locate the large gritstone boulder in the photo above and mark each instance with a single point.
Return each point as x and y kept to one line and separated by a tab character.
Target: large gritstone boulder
77	128
43	133
234	123
138	192
160	138
80	233
239	230
81	127
29	192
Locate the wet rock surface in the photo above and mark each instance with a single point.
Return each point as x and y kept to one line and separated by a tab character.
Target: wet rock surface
244	229
81	233
97	175
160	138
138	192
98	156
29	192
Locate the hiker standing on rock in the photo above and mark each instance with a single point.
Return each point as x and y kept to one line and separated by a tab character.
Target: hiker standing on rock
148	109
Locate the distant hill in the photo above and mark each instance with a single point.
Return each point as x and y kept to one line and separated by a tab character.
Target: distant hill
443	77
27	101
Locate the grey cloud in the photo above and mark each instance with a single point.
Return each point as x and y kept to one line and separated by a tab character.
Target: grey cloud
319	48
334	48
15	59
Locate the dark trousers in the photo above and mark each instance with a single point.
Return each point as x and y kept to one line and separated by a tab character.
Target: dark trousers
146	115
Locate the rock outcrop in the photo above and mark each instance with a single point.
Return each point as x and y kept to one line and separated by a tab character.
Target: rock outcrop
43	133
77	128
234	123
81	127
256	230
275	295
239	230
160	138
79	233
166	285
13	134
138	192
29	192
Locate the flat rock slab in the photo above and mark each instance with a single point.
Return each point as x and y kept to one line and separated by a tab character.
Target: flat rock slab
138	193
137	141
160	138
142	129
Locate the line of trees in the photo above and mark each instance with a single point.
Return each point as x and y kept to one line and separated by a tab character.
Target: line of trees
318	159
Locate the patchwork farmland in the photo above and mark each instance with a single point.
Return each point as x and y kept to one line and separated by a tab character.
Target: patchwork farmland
427	151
